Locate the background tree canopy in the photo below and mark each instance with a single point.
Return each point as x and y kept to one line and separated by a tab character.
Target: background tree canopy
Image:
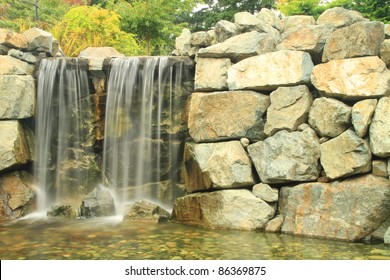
150	26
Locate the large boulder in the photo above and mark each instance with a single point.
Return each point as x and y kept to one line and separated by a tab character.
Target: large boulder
227	115
98	203
224	30
16	194
289	108
292	22
13	66
345	155
346	210
17	94
271	70
362	113
227	209
12	39
329	117
307	38
246	21
218	80
183	43
146	211
241	46
24	56
14	147
39	40
363	38
201	39
339	17
352	79
97	55
380	129
287	157
270	18
216	166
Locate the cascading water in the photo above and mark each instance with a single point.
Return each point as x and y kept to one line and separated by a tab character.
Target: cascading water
142	139
62	144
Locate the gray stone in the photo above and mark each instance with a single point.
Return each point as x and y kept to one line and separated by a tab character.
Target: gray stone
218	80
201	39
146	211
345	155
14	149
362	113
227	209
275	224
339	17
4	50
379	168
13	66
289	108
12	39
329	117
240	47
183	43
379	233
216	166
345	210
352	79
97	203
270	17
287	157
16	194
245	21
385	52
63	210
265	192
39	40
224	30
359	39
292	22
227	115
17	94
97	55
24	56
380	129
271	70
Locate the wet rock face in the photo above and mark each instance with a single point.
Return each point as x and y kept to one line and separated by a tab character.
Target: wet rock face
98	203
228	209
16	194
146	211
346	210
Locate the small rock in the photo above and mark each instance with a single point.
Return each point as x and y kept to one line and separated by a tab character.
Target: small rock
379	168
146	211
275	224
362	113
62	210
244	142
265	192
24	56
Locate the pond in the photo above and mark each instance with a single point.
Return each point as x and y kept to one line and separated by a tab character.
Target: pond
112	239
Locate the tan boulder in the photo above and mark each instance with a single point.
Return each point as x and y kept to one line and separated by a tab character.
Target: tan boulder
352	79
218	80
362	113
339	17
384	52
292	22
13	66
12	39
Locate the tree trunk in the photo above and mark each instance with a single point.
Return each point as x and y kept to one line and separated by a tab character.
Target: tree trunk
147	40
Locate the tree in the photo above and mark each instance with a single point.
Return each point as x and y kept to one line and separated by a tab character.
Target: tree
90	26
207	17
20	15
372	9
155	22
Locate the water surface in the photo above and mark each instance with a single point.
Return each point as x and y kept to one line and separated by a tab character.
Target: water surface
108	239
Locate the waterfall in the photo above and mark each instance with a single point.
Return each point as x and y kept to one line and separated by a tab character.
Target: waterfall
62	145
141	146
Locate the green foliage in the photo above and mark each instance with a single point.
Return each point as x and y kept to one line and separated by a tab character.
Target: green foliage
373	9
87	26
215	11
155	22
302	7
19	15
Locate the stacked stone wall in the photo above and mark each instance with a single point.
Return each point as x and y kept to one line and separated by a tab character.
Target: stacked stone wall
289	126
